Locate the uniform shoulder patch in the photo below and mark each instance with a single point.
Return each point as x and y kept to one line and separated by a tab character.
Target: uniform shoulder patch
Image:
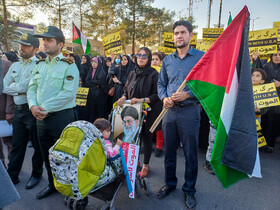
43	59
66	60
69	77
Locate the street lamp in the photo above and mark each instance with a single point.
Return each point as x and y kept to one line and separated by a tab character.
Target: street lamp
253	20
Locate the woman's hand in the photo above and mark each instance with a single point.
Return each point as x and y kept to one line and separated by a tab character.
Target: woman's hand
136	100
115	79
121	101
277	83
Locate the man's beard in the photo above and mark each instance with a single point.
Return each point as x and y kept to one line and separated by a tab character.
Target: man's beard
182	46
129	133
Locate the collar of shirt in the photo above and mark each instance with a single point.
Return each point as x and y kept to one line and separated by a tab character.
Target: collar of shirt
190	52
29	60
56	59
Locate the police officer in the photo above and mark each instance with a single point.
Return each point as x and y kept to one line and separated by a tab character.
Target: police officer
51	95
24	124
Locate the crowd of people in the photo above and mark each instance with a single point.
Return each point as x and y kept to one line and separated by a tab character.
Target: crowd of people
39	92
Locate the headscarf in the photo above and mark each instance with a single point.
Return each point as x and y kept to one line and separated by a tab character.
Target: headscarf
96	60
141	72
79	65
98	79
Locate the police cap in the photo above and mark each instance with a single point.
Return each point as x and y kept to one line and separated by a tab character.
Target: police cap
51	32
29	40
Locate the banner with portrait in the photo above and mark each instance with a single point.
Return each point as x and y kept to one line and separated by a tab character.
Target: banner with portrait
112	43
263	41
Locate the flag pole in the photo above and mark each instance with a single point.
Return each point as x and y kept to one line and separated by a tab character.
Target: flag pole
164	111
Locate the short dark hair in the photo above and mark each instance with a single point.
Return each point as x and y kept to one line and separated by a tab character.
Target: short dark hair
185	23
158	54
59	39
262	72
102	124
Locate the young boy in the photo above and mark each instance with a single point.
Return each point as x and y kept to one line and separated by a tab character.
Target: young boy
258	78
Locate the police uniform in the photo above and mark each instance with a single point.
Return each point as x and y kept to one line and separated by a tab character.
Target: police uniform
24	124
53	86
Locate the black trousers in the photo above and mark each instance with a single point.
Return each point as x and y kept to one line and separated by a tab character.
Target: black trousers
49	131
181	125
24	126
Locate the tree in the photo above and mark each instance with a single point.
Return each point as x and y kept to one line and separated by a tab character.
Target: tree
58	11
132	13
102	18
15	10
151	28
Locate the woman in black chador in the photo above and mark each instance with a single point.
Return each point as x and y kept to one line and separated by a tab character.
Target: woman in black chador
86	67
96	82
119	76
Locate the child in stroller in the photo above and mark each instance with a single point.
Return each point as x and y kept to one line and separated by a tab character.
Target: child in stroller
104	126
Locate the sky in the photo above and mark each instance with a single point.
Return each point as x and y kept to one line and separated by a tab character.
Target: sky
264	12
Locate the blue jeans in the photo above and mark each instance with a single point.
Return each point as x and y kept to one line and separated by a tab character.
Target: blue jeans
181	125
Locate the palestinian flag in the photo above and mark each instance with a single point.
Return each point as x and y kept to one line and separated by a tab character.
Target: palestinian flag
221	81
80	38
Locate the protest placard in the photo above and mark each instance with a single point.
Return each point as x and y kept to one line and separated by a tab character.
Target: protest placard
261	139
263	41
210	35
265	95
112	43
81	97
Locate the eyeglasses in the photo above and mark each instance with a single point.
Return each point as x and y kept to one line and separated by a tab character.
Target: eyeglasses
124	122
144	56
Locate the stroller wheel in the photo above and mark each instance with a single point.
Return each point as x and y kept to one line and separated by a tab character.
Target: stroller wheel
65	200
147	186
69	203
106	206
138	188
80	204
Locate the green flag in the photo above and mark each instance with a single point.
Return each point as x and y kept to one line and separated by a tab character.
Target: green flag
229	19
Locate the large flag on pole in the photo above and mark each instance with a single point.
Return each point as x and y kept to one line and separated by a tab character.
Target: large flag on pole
221	81
80	38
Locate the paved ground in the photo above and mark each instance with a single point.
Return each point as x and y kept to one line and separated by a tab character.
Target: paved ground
255	194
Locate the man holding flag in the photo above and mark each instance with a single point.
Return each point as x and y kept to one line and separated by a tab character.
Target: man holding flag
181	123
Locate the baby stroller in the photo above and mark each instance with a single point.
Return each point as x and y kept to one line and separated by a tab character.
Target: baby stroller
127	124
80	166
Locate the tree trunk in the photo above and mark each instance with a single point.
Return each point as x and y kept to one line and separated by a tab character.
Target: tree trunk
133	26
7	40
220	12
59	14
209	13
81	17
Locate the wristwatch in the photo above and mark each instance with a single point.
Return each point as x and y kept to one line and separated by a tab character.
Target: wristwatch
144	100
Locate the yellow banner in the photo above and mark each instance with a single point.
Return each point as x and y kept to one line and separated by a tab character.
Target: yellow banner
261	139
112	43
160	49
265	95
81	97
277	25
210	35
169	46
203	47
263	41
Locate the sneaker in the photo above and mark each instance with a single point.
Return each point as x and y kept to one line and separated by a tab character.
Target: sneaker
158	152
208	168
